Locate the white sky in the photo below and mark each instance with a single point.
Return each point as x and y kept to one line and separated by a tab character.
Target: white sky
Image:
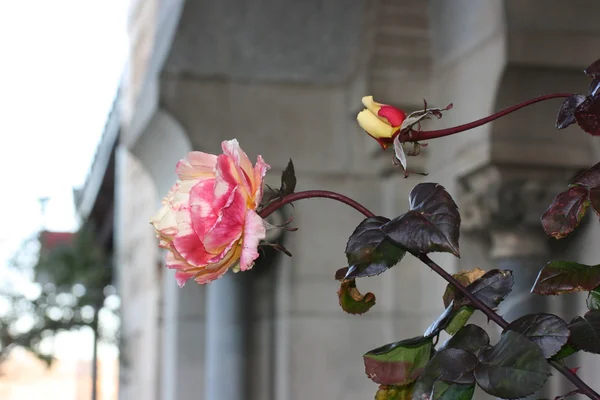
60	66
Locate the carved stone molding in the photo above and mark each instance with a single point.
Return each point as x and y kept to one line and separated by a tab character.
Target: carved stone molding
505	203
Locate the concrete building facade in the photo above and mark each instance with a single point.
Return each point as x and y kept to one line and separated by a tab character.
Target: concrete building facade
285	78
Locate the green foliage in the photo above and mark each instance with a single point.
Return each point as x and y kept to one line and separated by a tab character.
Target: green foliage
398	363
73	281
352	301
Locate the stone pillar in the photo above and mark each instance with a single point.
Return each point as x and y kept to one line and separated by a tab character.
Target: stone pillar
226	330
501	207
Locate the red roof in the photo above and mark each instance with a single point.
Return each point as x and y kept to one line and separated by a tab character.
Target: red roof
51	240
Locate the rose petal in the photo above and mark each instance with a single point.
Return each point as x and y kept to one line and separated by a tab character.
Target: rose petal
182	277
254	232
164	222
393	115
260	170
229	225
202	215
196	165
371	105
232	149
374	126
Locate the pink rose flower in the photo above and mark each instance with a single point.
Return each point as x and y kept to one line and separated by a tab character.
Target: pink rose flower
208	220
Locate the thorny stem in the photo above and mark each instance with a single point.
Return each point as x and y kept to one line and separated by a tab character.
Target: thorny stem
491	314
415	136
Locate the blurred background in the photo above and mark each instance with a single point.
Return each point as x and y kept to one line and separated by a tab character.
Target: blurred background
102	98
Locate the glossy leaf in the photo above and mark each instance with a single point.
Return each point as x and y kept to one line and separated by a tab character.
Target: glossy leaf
288	180
465	278
585	332
515	367
565	115
431	225
369	251
452	391
565	352
459	319
560	277
352	301
593	70
398	363
593	299
589	178
587	115
491	288
454	366
548	331
565	212
386	392
441	323
470	338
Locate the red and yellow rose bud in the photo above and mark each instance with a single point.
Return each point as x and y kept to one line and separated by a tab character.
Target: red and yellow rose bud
381	121
208	221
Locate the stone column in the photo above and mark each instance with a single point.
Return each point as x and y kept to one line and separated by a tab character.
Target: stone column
501	207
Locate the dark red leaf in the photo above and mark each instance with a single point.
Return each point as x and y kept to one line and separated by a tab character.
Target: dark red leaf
560	277
565	212
585	332
593	70
587	115
589	178
595	199
565	115
432	224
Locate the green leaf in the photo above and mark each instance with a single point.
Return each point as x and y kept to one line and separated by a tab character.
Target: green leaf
548	331
515	367
560	277
431	225
459	319
452	391
369	251
352	301
593	299
441	323
491	288
398	363
565	212
565	352
288	180
461	314
585	332
470	338
394	392
454	366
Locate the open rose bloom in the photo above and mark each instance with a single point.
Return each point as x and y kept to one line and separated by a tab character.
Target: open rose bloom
208	221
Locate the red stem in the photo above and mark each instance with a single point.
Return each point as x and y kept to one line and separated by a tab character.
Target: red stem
268	210
415	136
491	314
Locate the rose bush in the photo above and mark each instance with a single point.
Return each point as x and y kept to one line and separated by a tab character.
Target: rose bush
208	221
